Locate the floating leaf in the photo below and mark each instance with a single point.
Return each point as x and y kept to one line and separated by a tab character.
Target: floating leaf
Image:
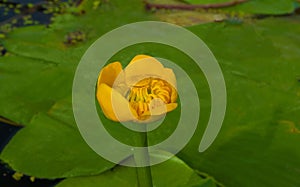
254	6
48	148
31	86
174	172
259	133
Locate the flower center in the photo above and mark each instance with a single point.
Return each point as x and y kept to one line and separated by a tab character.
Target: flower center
145	91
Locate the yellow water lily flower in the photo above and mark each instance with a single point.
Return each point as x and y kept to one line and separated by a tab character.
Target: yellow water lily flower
144	90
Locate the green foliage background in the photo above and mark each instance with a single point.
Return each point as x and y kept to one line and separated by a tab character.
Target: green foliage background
260	59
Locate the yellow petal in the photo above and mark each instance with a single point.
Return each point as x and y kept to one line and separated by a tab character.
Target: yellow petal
171	106
170	77
174	95
141	67
138	57
121	111
167	108
161	110
157	114
109	73
144	66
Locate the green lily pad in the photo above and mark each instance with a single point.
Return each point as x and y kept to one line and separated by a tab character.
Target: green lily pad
48	148
31	86
255	6
46	45
256	146
50	43
174	172
265	7
43	43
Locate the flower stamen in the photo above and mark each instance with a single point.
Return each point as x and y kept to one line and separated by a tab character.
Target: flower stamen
145	91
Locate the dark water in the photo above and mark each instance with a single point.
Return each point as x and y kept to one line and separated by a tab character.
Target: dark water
7	12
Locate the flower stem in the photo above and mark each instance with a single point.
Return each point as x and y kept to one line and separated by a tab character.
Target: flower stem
141	157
